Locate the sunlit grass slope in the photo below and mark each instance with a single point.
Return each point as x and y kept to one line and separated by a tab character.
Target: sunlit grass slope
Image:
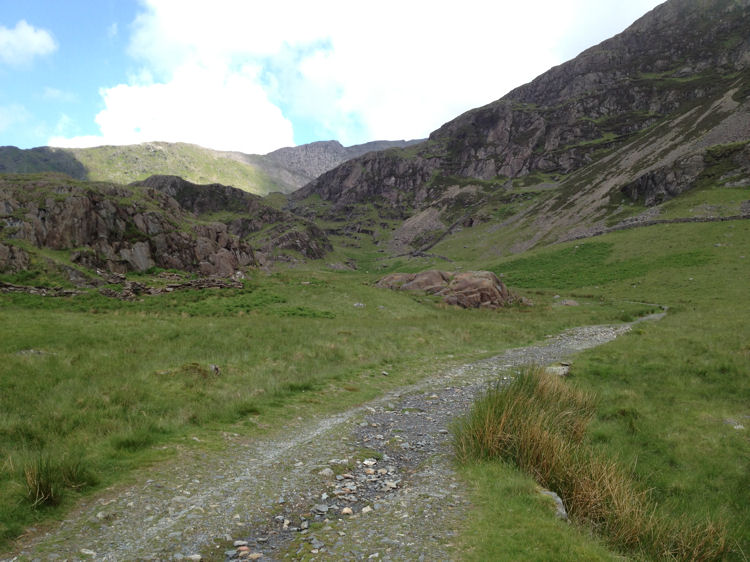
673	396
125	164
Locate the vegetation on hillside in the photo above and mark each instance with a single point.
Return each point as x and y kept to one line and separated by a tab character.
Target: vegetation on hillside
126	164
672	396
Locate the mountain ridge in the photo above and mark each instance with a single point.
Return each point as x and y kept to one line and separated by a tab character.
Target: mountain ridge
678	78
609	138
284	170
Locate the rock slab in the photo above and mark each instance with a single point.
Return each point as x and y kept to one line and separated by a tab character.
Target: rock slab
471	289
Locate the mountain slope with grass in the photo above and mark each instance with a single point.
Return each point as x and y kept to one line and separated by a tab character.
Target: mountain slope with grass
283	170
612	187
659	110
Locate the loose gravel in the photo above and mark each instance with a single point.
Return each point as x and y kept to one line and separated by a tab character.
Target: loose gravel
374	482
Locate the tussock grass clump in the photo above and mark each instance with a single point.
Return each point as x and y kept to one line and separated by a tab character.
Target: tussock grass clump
46	478
538	422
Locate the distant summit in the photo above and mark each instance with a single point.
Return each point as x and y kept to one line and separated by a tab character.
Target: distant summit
284	170
308	161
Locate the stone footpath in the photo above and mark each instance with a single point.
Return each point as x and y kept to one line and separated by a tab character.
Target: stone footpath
372	483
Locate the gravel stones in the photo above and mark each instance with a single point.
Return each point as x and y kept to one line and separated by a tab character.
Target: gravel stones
386	470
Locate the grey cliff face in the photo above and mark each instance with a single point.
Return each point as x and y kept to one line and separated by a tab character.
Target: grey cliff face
105	231
669	61
308	161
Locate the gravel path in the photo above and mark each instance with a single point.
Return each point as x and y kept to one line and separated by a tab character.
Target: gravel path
374	482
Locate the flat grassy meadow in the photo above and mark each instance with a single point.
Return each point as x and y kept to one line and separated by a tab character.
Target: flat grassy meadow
92	387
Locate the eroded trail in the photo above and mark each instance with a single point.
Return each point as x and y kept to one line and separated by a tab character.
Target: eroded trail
388	462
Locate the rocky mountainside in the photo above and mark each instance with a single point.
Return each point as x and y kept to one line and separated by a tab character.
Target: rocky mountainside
83	230
637	119
627	133
283	170
306	162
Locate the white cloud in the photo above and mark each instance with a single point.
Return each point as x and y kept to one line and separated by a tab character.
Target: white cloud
206	106
112	30
220	74
19	46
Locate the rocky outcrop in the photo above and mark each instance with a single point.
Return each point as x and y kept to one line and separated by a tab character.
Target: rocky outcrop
385	179
289	233
307	161
721	164
310	241
114	228
131	290
13	259
680	58
665	182
471	289
210	198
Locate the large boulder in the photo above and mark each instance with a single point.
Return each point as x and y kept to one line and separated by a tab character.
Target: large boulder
470	289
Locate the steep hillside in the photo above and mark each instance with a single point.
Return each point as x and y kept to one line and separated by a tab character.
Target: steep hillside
125	164
306	162
628	124
283	170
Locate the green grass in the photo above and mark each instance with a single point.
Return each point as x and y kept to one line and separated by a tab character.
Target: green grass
713	201
537	422
669	393
120	379
125	164
522	526
589	263
101	384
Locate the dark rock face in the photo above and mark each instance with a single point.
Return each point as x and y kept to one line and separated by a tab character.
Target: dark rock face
666	182
671	59
472	289
13	259
105	230
201	199
306	162
311	241
290	232
381	177
161	221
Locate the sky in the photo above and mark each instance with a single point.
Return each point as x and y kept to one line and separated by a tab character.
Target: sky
255	76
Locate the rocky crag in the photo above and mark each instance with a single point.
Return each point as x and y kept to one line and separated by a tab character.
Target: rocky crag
163	222
306	162
638	118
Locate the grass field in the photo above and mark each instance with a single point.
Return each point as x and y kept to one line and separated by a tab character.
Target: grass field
91	386
672	397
